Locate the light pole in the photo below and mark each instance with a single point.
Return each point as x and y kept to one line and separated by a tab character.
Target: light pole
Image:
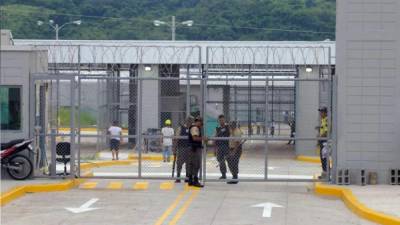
56	27
173	25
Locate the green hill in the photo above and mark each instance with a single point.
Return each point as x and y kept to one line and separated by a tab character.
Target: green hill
213	19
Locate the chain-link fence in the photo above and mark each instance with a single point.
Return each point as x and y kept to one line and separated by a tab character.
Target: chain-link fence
259	107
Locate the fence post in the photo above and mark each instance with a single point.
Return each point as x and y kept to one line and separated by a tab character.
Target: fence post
72	125
53	152
139	126
266	125
79	127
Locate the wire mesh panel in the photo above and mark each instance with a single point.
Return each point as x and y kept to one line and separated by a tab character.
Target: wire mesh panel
259	107
53	107
271	94
167	101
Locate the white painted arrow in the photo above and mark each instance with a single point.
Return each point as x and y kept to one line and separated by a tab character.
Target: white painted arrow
85	207
267	208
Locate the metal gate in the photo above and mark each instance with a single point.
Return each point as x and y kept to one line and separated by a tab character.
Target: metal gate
262	92
52	107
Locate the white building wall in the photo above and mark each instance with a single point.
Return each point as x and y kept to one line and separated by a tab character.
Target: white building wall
16	66
368	69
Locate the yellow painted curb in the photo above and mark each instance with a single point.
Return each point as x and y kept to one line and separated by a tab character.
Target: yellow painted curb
32	188
311	159
20	191
145	157
88	129
351	201
12	194
96	164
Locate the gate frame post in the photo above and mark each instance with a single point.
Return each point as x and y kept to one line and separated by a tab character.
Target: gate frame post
78	172
266	125
72	126
139	125
203	113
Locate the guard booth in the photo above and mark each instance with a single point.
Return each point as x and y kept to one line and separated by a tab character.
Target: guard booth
17	64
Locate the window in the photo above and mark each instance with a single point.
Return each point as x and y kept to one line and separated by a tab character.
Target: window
10	107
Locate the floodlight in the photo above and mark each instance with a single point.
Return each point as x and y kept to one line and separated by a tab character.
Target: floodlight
158	23
77	22
147	68
188	23
309	69
39	23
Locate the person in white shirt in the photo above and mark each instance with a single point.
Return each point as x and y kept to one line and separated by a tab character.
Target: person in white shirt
115	140
167	133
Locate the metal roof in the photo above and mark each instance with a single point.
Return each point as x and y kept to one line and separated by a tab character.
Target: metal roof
187	52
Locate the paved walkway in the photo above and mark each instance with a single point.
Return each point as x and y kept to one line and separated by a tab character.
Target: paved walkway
146	202
217	204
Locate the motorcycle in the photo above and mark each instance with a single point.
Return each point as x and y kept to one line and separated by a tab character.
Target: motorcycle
18	166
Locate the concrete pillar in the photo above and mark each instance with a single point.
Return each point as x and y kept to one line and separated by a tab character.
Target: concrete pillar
307	115
226	101
150	96
132	114
368	68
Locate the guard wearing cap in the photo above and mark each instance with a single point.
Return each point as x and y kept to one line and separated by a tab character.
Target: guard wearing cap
323	132
195	140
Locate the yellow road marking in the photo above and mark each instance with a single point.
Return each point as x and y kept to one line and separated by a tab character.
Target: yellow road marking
89	185
114	185
141	185
171	208
166	186
186	205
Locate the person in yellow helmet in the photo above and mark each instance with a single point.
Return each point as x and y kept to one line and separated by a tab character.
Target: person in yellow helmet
323	132
167	133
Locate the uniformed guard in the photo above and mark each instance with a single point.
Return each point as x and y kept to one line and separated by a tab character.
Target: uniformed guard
195	140
182	149
323	132
235	152
222	145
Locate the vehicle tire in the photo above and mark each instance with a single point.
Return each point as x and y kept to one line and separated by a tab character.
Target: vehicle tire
25	167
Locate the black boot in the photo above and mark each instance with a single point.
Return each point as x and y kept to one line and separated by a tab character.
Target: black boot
178	180
190	181
234	180
187	179
196	183
223	177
